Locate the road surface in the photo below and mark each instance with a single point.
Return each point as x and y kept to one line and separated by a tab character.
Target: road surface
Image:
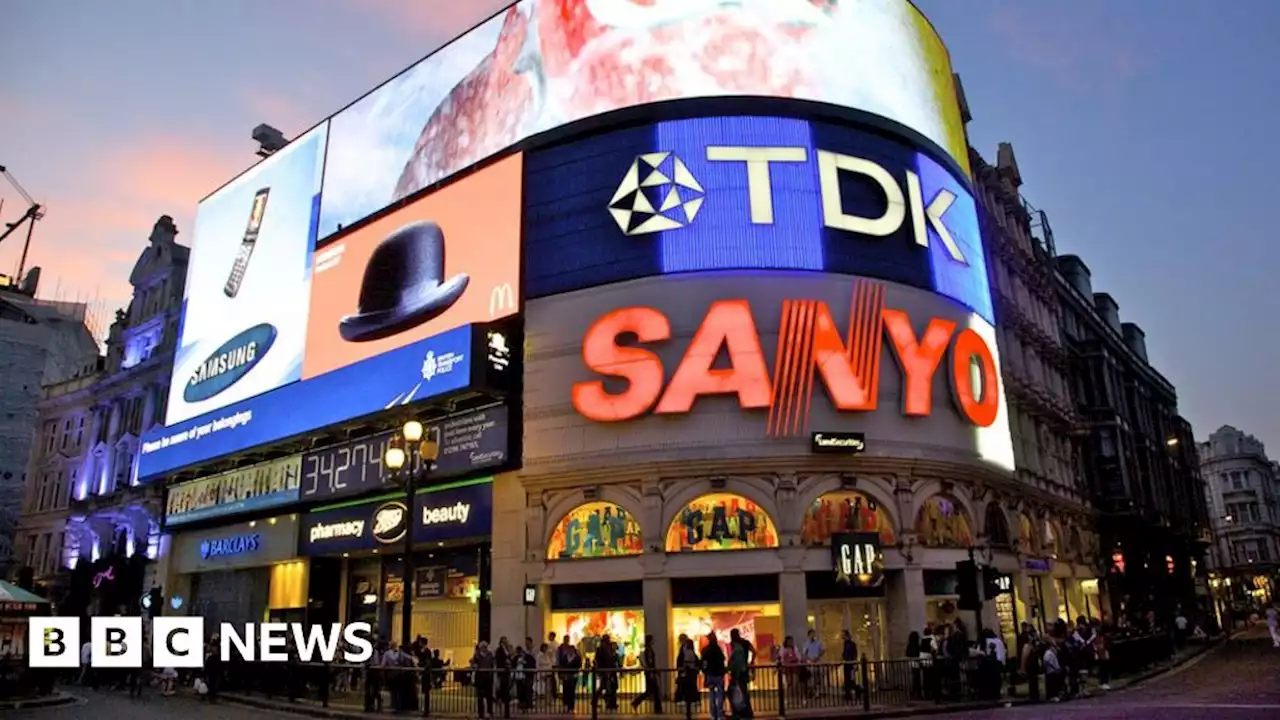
1238	681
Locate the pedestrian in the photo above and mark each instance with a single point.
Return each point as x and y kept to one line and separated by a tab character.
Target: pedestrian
849	658
1054	673
811	655
714	667
552	644
569	663
502	669
86	665
607	672
741	654
652	686
689	667
523	666
1102	656
483	665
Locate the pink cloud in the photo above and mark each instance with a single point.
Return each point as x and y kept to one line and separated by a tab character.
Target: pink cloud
436	22
98	223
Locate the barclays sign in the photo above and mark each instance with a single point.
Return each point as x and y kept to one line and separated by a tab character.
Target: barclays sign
228	546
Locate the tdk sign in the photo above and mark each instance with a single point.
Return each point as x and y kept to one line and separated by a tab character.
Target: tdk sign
230	362
659	193
234	545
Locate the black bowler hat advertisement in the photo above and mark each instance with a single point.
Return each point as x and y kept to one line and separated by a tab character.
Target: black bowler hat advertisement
248	283
448	259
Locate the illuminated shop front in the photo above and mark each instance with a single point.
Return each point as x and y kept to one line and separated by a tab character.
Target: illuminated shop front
356	550
243	572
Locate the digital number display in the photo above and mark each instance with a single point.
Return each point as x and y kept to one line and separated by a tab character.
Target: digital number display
346	469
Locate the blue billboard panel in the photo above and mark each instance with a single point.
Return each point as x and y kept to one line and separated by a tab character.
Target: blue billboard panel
244	311
742	193
451	512
425	369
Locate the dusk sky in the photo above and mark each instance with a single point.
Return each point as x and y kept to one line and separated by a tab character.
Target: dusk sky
1143	127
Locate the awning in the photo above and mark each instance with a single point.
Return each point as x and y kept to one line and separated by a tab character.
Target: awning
18	603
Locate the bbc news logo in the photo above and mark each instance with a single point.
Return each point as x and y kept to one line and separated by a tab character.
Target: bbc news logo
179	642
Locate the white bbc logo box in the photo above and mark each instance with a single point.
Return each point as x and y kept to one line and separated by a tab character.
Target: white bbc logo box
116	642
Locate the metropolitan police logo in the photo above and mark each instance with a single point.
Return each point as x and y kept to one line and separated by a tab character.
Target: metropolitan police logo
657	193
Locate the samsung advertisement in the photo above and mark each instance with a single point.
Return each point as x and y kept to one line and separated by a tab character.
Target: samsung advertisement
244	314
425	369
452	512
544	63
737	193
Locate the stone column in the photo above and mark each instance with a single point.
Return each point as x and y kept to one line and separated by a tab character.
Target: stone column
509	530
905	606
148	409
795	603
657	618
116	409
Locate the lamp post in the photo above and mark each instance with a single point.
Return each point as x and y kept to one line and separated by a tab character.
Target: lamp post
409	456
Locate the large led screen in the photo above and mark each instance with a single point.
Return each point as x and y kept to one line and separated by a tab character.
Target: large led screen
420	371
544	63
244	315
447	259
747	193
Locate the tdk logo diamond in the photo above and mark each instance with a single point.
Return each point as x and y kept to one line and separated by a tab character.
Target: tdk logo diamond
657	193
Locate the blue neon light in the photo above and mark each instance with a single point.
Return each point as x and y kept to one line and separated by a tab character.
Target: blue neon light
967	284
573	242
398	377
721	236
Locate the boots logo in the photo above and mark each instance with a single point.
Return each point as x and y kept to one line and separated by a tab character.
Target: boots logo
657	193
390	522
230	362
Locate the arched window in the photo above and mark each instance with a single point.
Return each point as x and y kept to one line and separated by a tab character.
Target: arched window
595	530
721	521
1052	539
845	511
942	523
1027	540
996	526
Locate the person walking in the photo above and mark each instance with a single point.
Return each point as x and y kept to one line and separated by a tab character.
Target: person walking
849	657
714	667
740	656
569	663
606	665
652	680
484	667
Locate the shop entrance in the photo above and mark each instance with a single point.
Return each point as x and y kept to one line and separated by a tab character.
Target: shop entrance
746	603
586	612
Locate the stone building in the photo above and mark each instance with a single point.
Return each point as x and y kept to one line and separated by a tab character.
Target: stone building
1140	456
1242	490
112	524
1052	508
43	342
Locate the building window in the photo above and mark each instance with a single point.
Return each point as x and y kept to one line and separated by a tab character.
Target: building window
80	432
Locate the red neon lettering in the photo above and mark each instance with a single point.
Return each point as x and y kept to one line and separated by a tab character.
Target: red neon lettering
808	340
728	324
641	368
918	359
971	350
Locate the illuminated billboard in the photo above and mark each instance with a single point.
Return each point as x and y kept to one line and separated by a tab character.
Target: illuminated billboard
257	487
746	364
244	314
445	260
543	63
428	368
757	192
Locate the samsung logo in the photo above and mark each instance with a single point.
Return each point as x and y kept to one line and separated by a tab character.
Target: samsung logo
229	363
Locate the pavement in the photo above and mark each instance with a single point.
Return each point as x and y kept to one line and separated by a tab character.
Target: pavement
1235	681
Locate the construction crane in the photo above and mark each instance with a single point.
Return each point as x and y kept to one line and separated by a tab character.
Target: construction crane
34	212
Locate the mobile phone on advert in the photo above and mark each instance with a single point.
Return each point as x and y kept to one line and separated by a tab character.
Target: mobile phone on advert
232	287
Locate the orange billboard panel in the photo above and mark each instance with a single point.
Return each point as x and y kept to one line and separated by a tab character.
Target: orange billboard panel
448	259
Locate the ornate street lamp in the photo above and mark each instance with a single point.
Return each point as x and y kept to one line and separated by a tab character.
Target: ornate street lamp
409	457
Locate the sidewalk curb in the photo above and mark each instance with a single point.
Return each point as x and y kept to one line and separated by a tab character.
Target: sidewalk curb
54	700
